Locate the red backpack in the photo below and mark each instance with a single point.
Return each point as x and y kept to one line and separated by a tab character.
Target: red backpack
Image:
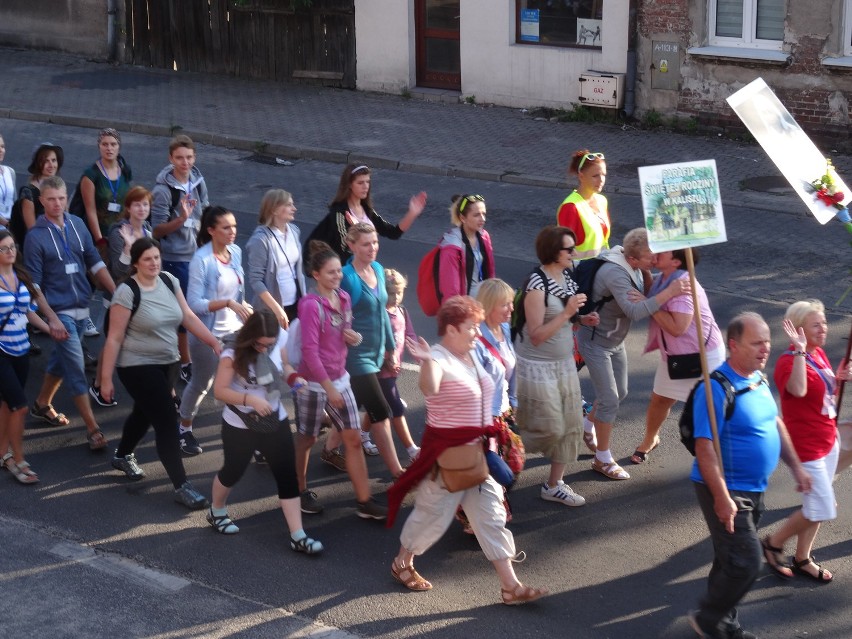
428	293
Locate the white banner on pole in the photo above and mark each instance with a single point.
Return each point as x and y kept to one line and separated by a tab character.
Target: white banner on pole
792	151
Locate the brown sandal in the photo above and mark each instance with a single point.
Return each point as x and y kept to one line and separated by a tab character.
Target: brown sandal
522	594
410	578
97	440
58	419
589	441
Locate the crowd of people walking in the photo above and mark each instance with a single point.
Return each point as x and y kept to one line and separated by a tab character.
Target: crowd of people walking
323	319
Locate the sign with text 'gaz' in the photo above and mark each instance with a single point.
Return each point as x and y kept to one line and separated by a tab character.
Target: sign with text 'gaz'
681	205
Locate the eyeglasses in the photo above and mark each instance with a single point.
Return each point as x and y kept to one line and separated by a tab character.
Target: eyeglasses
570	249
467	199
261	347
591	157
8	249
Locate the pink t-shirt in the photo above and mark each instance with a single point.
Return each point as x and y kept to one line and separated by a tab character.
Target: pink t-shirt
401	327
688	342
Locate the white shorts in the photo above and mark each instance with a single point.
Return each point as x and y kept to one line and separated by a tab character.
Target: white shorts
678	389
820	504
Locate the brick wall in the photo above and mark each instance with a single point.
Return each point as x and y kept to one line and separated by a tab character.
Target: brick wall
817	96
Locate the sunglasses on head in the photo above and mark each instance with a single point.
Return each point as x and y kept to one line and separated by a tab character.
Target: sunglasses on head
591	157
467	199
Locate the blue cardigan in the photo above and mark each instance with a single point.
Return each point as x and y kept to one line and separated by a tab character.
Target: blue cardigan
370	319
204	280
488	335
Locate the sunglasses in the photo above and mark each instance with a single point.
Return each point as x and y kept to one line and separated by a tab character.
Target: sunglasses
591	157
570	249
467	199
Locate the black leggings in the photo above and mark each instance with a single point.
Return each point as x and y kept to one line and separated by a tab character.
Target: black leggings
151	389
13	379
239	444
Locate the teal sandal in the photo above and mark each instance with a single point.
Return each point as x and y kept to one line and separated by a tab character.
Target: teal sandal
306	545
222	523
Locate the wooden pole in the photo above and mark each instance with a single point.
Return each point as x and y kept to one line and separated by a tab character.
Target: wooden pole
843	381
699	330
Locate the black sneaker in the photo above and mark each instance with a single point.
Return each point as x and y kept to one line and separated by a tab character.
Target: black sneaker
186	372
309	502
371	509
191	498
95	392
89	360
259	458
188	445
128	466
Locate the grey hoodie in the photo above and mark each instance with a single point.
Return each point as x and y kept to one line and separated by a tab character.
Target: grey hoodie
617	278
178	246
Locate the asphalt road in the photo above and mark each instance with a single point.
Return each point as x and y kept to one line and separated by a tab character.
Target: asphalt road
627	565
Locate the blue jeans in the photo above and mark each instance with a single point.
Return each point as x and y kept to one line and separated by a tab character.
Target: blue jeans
66	360
737	559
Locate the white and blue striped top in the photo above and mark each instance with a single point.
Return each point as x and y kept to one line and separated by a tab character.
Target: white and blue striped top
14	340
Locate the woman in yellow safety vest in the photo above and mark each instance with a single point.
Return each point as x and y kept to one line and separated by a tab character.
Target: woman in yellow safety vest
585	211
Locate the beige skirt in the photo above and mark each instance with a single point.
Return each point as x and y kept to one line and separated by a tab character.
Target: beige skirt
550	411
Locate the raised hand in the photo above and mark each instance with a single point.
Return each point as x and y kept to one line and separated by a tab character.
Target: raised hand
797	336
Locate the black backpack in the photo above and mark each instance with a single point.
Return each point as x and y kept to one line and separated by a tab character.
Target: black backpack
137	297
686	424
584	274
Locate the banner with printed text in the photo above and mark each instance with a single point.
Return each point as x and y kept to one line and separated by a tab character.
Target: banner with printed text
682	205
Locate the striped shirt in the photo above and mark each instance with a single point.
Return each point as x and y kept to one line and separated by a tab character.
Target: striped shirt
14	340
557	290
465	395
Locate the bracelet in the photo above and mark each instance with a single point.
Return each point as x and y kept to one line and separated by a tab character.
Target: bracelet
101	241
292	378
802	353
245	395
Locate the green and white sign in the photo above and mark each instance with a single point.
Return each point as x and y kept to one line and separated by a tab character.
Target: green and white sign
682	205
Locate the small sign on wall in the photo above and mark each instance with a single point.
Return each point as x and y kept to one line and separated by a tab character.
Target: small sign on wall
665	65
589	32
530	21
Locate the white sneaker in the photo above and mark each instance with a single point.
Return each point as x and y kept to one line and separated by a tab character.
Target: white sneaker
413	452
562	493
369	447
90	330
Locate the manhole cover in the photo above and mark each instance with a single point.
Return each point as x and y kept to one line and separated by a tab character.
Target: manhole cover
767	184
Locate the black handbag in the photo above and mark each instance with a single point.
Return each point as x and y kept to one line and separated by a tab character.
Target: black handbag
264	424
685	366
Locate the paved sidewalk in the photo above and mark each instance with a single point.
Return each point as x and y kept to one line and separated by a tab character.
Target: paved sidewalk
385	131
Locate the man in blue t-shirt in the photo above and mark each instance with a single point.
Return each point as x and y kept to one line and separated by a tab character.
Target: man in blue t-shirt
750	444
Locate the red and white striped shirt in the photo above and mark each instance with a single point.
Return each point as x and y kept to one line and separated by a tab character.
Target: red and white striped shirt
465	395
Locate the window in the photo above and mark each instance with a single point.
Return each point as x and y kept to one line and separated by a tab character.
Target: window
563	23
847	29
756	24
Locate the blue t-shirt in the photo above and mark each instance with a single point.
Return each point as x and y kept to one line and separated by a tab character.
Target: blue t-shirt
749	442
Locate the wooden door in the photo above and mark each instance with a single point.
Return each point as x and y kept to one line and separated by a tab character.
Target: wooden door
437	31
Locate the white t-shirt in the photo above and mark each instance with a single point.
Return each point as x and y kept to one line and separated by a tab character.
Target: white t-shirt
228	287
286	265
251	387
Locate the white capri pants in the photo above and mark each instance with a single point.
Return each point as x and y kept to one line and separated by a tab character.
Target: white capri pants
435	507
820	504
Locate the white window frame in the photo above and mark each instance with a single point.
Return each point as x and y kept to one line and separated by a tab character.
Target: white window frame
847	29
749	21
